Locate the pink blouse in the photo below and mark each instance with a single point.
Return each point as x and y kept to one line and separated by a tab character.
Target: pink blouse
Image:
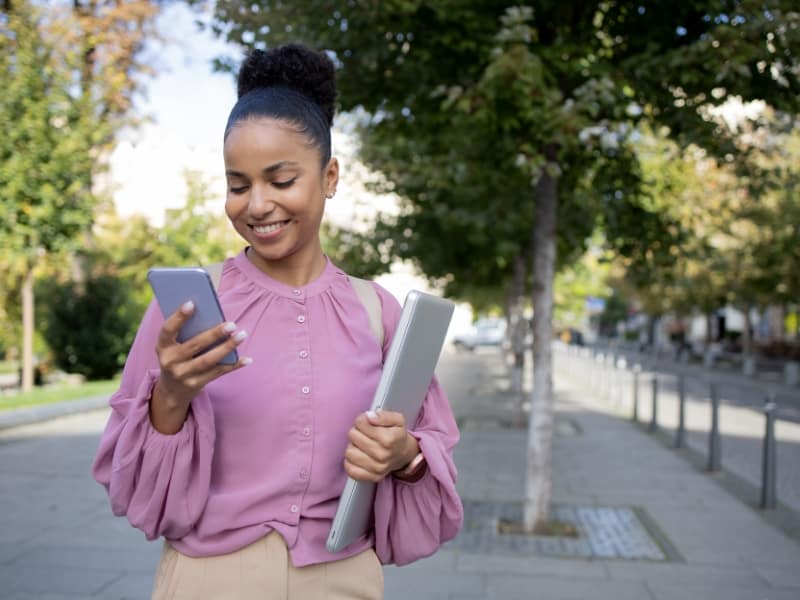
262	448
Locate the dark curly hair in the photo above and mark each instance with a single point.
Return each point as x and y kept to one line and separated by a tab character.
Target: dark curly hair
292	83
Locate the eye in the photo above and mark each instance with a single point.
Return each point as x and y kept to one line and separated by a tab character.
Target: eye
238	190
282	185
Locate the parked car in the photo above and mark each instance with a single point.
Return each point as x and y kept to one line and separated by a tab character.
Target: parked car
487	331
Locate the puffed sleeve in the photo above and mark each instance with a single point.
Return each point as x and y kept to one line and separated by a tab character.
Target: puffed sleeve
159	482
412	520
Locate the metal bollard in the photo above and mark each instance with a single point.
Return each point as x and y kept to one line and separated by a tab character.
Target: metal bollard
654	417
636	369
768	464
680	434
714	437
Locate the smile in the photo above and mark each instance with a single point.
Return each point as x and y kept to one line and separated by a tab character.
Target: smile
269	228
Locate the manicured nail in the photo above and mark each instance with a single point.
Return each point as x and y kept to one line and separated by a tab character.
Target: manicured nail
230	327
246	360
240	335
371	414
187	307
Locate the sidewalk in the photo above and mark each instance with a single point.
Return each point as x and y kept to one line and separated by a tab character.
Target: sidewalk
59	540
720	547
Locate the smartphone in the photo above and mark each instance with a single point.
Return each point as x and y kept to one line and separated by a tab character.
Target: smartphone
173	286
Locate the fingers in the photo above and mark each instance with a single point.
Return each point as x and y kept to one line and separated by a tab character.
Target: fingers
187	367
377	443
377	451
172	325
172	352
384	418
361	467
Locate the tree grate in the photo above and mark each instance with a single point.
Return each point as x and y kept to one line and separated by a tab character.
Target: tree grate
604	532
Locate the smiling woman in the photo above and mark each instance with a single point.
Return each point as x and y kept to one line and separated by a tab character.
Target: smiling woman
276	197
236	465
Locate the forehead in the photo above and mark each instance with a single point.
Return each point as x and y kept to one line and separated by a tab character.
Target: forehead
260	140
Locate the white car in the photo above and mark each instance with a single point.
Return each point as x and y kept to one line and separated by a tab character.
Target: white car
484	332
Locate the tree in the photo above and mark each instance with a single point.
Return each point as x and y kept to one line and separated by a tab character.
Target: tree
192	235
548	100
90	325
69	77
44	152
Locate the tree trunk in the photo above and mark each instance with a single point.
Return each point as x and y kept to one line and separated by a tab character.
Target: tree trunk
709	330
27	329
540	428
517	327
747	333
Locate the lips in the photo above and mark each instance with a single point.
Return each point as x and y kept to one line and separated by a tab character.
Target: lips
270	229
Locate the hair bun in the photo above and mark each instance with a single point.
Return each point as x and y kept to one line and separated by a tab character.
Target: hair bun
294	66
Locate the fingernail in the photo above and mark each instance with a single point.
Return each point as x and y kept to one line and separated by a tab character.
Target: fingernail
246	360
187	307
230	327
240	335
371	414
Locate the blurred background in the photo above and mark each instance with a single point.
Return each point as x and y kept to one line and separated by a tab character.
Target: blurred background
666	136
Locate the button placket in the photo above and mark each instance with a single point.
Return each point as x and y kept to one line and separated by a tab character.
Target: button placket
305	403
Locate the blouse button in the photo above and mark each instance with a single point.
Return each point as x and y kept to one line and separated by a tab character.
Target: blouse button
306	431
301	319
296	292
294	508
303	354
303	474
306	389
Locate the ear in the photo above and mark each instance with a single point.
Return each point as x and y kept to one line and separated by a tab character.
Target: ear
330	177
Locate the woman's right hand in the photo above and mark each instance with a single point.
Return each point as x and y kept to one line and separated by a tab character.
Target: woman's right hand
183	372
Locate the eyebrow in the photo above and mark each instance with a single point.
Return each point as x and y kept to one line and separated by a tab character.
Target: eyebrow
267	170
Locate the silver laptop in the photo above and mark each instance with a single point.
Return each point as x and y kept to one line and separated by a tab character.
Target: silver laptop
407	373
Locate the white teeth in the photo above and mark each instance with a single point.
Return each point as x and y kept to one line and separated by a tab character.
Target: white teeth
268	228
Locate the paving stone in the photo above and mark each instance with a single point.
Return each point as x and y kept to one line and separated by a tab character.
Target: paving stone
557	588
130	558
131	586
43	580
781	577
663	574
676	590
531	566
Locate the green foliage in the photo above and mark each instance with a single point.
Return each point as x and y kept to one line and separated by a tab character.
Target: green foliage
46	131
192	235
464	95
89	326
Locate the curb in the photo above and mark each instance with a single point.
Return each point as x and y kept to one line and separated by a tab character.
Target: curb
36	414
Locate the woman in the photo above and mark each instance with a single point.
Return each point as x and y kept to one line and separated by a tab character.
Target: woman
240	467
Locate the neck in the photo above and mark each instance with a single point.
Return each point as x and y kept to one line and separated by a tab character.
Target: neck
295	271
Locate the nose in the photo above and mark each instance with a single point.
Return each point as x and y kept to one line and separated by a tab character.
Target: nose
260	204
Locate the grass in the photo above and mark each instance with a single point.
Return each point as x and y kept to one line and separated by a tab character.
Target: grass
58	393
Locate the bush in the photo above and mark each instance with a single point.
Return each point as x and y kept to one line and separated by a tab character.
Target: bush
90	326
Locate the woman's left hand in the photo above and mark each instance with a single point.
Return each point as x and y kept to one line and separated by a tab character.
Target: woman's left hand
379	444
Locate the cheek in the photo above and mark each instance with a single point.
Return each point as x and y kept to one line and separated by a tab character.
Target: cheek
234	207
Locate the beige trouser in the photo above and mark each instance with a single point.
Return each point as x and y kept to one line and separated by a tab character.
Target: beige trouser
263	571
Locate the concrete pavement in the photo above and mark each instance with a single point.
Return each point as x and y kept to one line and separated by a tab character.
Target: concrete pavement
59	539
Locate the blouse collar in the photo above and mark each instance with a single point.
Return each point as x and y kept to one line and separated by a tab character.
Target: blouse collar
318	285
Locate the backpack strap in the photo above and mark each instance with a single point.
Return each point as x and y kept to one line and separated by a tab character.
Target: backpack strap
369	298
215	272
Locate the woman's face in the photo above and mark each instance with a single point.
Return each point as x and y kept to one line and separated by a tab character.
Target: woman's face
276	191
